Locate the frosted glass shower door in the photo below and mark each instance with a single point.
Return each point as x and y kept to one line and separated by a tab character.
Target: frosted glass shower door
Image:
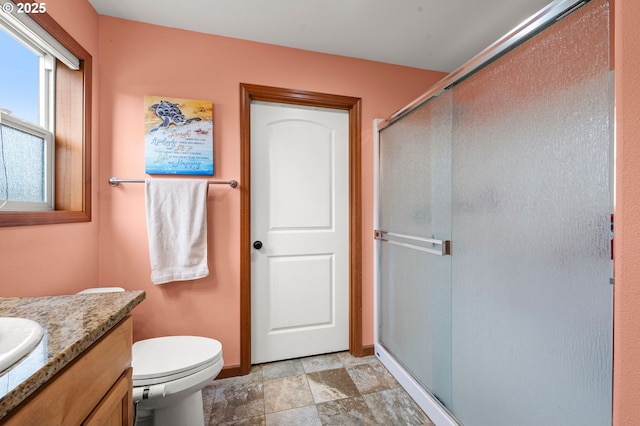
532	300
414	291
513	164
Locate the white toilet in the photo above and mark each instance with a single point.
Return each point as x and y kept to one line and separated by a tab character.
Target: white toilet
169	374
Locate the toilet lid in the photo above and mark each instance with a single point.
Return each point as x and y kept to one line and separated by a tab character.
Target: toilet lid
175	356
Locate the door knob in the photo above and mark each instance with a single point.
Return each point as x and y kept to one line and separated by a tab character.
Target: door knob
257	245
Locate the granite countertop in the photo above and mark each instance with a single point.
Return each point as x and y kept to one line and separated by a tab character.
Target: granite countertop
72	324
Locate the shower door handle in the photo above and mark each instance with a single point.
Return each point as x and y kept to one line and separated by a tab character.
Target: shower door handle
413	242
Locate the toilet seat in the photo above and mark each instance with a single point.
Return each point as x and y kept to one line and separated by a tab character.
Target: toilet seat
164	359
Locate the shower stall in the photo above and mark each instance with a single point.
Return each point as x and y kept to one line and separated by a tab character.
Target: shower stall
494	265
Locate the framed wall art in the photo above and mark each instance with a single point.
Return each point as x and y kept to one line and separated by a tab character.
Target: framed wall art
178	136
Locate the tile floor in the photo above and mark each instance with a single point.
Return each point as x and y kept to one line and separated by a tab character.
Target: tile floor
332	389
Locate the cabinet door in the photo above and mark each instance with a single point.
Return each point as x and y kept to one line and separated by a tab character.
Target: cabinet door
65	399
116	408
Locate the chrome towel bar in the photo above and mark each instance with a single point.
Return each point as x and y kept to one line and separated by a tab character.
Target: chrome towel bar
114	181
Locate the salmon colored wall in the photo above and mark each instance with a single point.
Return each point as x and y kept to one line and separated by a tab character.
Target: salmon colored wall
626	361
57	259
140	59
132	60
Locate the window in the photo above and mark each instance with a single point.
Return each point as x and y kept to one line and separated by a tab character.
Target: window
45	121
26	133
25	167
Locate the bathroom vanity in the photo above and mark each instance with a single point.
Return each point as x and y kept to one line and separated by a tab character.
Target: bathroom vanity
80	372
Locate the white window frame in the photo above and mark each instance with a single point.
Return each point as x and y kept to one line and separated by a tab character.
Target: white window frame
47	136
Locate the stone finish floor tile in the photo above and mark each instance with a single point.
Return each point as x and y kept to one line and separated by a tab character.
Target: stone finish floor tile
349	360
236	402
279	369
307	416
346	412
286	393
332	389
330	385
254	421
372	377
395	407
321	362
208	397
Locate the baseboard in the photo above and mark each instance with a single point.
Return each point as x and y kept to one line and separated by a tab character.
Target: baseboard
368	350
230	371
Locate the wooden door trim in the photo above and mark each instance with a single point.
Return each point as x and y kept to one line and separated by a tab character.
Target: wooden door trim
248	93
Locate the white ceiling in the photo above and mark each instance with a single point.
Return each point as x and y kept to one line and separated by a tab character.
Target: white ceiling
431	34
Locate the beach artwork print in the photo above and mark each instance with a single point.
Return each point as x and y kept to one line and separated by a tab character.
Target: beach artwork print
178	136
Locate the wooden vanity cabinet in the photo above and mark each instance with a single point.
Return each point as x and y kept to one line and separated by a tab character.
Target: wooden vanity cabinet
95	389
115	409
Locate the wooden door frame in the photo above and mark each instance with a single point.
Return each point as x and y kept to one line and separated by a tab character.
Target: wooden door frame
248	93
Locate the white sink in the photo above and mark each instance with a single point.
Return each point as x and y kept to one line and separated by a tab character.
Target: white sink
18	337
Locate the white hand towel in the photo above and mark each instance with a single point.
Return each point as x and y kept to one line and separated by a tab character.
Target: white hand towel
177	229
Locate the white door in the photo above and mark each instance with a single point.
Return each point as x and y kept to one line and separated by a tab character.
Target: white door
300	221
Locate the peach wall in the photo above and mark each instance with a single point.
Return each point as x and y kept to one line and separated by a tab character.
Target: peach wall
626	372
57	259
131	60
140	59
